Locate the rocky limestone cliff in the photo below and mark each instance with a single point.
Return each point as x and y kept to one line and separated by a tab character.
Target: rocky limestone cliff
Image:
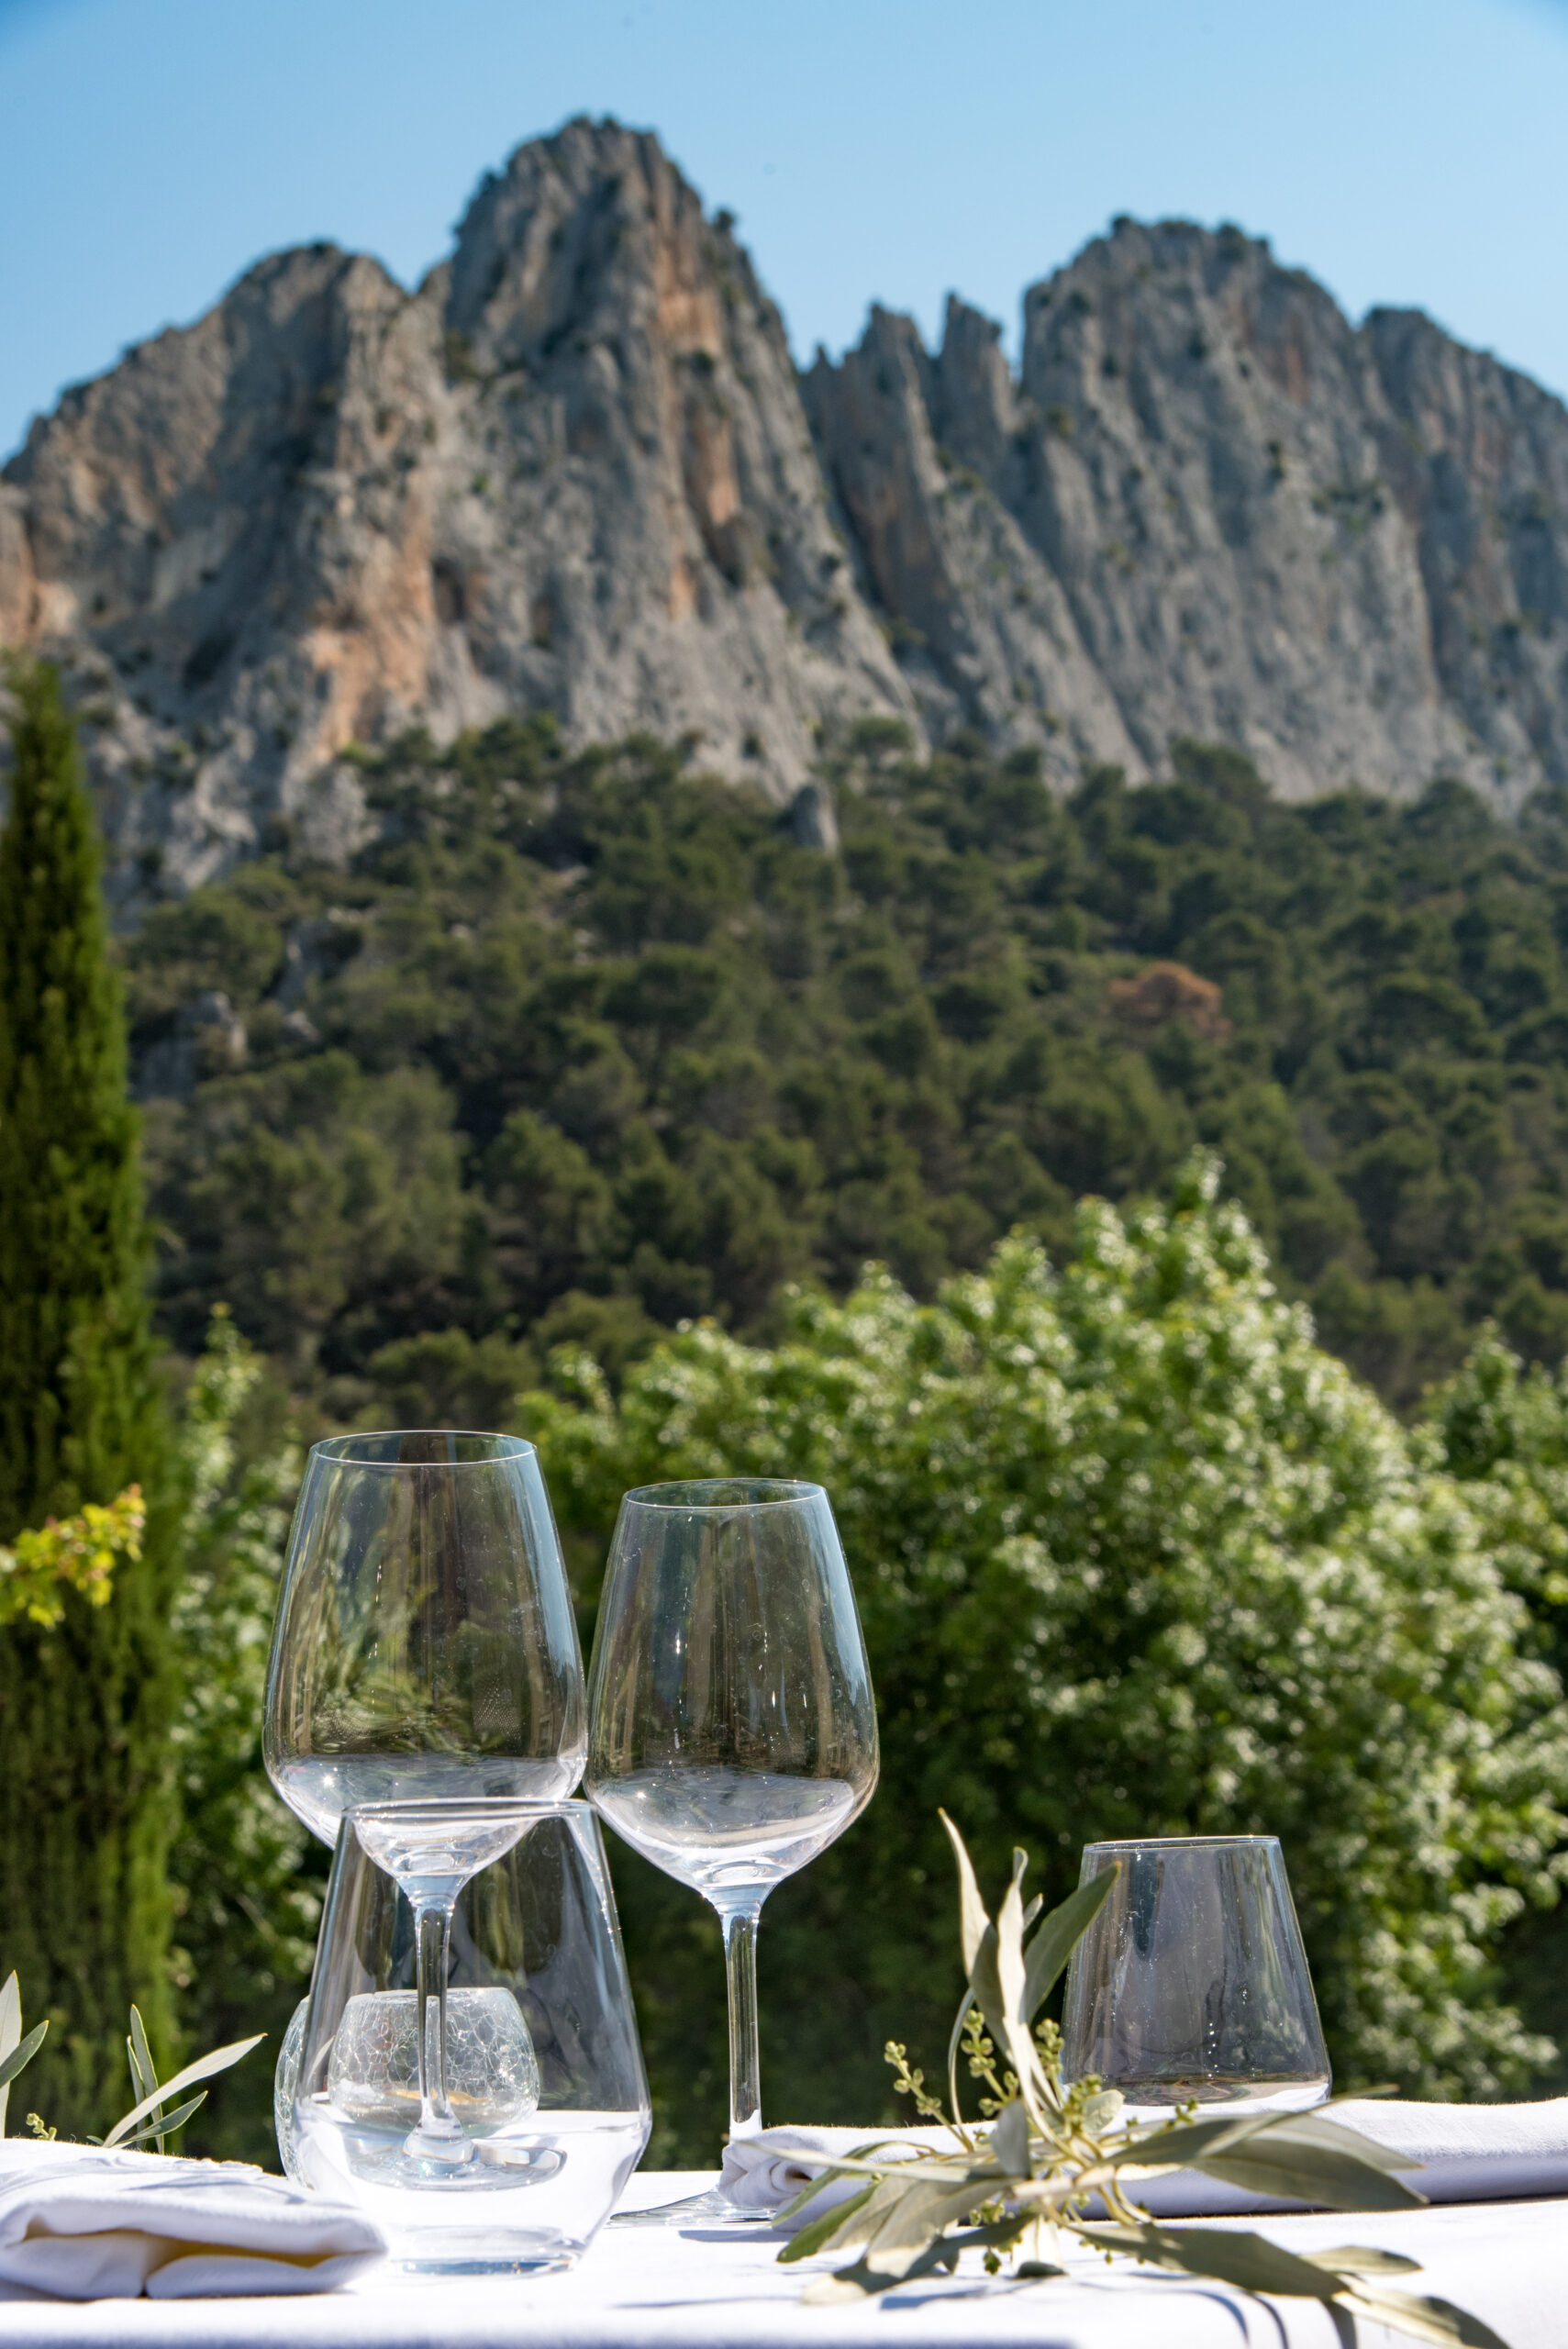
576	471
1208	505
572	471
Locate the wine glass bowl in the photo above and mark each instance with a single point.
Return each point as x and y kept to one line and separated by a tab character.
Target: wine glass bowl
732	1730
425	1645
1191	1983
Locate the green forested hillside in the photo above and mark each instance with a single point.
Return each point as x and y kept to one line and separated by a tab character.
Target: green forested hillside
584	1044
587	1043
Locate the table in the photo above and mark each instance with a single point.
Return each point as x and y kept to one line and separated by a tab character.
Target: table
709	2287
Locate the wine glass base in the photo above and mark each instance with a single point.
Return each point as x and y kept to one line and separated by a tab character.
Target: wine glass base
707	2209
433	2271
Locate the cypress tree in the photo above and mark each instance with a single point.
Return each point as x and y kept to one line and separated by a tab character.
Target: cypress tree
85	1708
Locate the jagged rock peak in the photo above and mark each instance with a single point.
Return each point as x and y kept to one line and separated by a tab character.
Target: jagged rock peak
1344	550
576	470
571	471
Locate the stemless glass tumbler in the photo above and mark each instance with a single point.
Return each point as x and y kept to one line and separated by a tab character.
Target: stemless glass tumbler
1191	1983
732	1733
539	2082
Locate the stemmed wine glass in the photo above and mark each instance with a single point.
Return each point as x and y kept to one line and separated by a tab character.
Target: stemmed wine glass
732	1731
423	1653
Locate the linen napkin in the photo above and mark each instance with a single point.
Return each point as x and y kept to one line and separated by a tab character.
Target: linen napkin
78	2224
764	2171
1466	2153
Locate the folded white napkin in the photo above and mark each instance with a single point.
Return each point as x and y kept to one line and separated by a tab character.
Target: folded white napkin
764	2171
1468	2153
77	2224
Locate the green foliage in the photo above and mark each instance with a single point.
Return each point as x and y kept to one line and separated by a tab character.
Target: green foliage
86	1703
150	2120
1134	1557
1505	1429
81	1555
587	1044
247	1876
593	1026
17	2052
77	1409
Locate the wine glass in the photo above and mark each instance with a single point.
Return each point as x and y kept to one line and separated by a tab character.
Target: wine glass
1191	1984
424	1651
732	1731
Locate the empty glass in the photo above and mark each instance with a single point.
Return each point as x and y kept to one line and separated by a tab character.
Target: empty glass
543	2097
732	1732
424	1647
1191	1983
425	1643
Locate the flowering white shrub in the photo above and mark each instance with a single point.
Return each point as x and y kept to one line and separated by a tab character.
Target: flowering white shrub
1135	1557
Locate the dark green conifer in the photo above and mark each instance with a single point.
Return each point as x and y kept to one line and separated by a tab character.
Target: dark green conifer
85	1708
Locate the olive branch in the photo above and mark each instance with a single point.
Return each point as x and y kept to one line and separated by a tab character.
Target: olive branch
148	2122
1022	2186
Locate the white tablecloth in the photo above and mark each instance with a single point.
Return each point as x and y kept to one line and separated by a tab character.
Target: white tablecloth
721	2289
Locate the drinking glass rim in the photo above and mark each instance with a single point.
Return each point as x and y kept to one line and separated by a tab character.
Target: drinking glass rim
1175	1842
774	1492
473	1806
336	1452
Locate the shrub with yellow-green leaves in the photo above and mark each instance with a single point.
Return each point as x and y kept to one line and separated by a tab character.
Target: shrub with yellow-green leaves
79	1553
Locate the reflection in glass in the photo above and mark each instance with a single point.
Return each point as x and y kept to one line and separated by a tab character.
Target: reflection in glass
425	1645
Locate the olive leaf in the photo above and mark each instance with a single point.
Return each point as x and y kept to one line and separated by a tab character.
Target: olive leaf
810	2240
1010	2140
203	2069
16	2052
859	2161
1426	2318
1305	2160
165	2125
1053	1944
1252	2261
1294	2156
943	2254
1356	2259
1337	2277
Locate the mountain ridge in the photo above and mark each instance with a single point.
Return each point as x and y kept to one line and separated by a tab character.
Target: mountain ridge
577	469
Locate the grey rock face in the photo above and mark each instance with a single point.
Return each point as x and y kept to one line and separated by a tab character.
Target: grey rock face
1209	506
576	471
572	472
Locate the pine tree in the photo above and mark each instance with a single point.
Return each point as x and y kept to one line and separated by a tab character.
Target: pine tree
86	1706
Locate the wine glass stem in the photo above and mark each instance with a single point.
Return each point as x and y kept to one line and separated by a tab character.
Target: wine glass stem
745	2062
436	2116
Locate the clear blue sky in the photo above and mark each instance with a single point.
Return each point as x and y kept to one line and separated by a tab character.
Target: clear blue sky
1405	151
